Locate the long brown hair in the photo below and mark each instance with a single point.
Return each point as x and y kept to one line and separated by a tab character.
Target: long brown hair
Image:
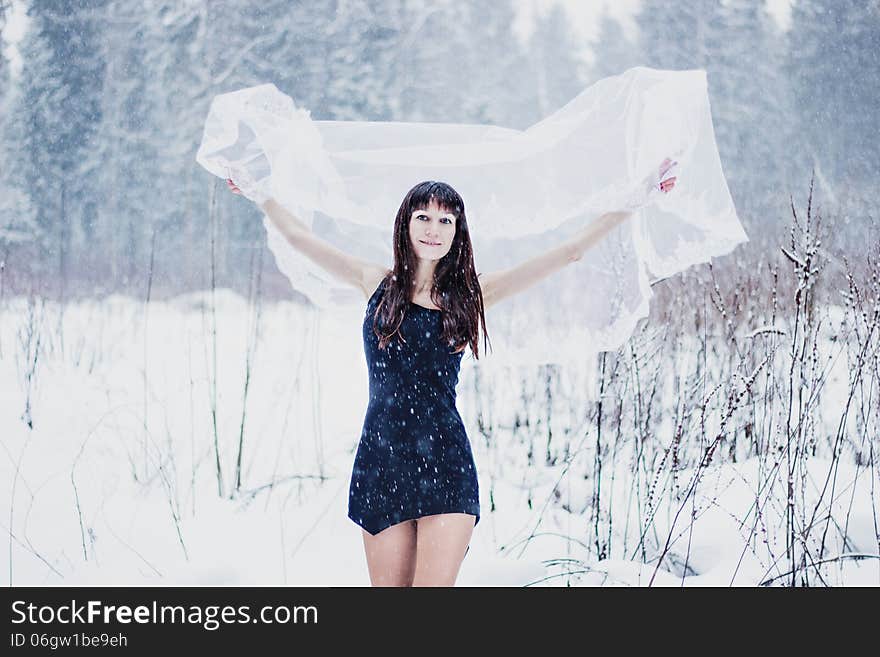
455	290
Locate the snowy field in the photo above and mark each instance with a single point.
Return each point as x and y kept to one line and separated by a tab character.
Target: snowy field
114	419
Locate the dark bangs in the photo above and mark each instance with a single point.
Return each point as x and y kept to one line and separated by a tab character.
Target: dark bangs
442	194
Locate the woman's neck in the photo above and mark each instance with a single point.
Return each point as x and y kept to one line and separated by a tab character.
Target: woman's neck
423	278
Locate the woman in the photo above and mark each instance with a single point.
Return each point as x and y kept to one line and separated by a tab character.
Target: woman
414	489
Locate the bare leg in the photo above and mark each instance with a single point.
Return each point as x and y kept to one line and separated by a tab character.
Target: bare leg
442	540
391	554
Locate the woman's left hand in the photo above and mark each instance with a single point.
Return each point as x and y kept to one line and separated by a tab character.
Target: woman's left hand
666	184
643	193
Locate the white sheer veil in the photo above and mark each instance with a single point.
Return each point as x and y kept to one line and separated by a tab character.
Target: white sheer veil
524	191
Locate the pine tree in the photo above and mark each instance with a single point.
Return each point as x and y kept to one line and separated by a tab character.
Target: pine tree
16	221
739	47
497	92
58	110
833	46
613	52
559	74
751	105
5	8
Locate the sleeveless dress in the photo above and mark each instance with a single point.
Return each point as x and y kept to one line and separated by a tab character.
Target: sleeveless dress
414	458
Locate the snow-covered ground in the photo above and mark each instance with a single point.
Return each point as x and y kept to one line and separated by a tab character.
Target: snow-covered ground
116	482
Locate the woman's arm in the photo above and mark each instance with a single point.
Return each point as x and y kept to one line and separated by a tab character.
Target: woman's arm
347	268
502	284
499	285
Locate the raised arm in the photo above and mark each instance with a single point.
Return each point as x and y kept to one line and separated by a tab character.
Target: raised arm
499	285
347	268
507	282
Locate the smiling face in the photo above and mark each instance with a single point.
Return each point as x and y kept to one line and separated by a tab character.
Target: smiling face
431	232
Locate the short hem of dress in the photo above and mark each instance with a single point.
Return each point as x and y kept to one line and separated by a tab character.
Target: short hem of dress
474	511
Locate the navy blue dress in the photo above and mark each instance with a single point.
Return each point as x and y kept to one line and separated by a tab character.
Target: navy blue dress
414	457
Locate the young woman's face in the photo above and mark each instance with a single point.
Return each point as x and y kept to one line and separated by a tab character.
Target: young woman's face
431	231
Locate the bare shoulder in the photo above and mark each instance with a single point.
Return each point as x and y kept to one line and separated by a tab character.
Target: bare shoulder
372	276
